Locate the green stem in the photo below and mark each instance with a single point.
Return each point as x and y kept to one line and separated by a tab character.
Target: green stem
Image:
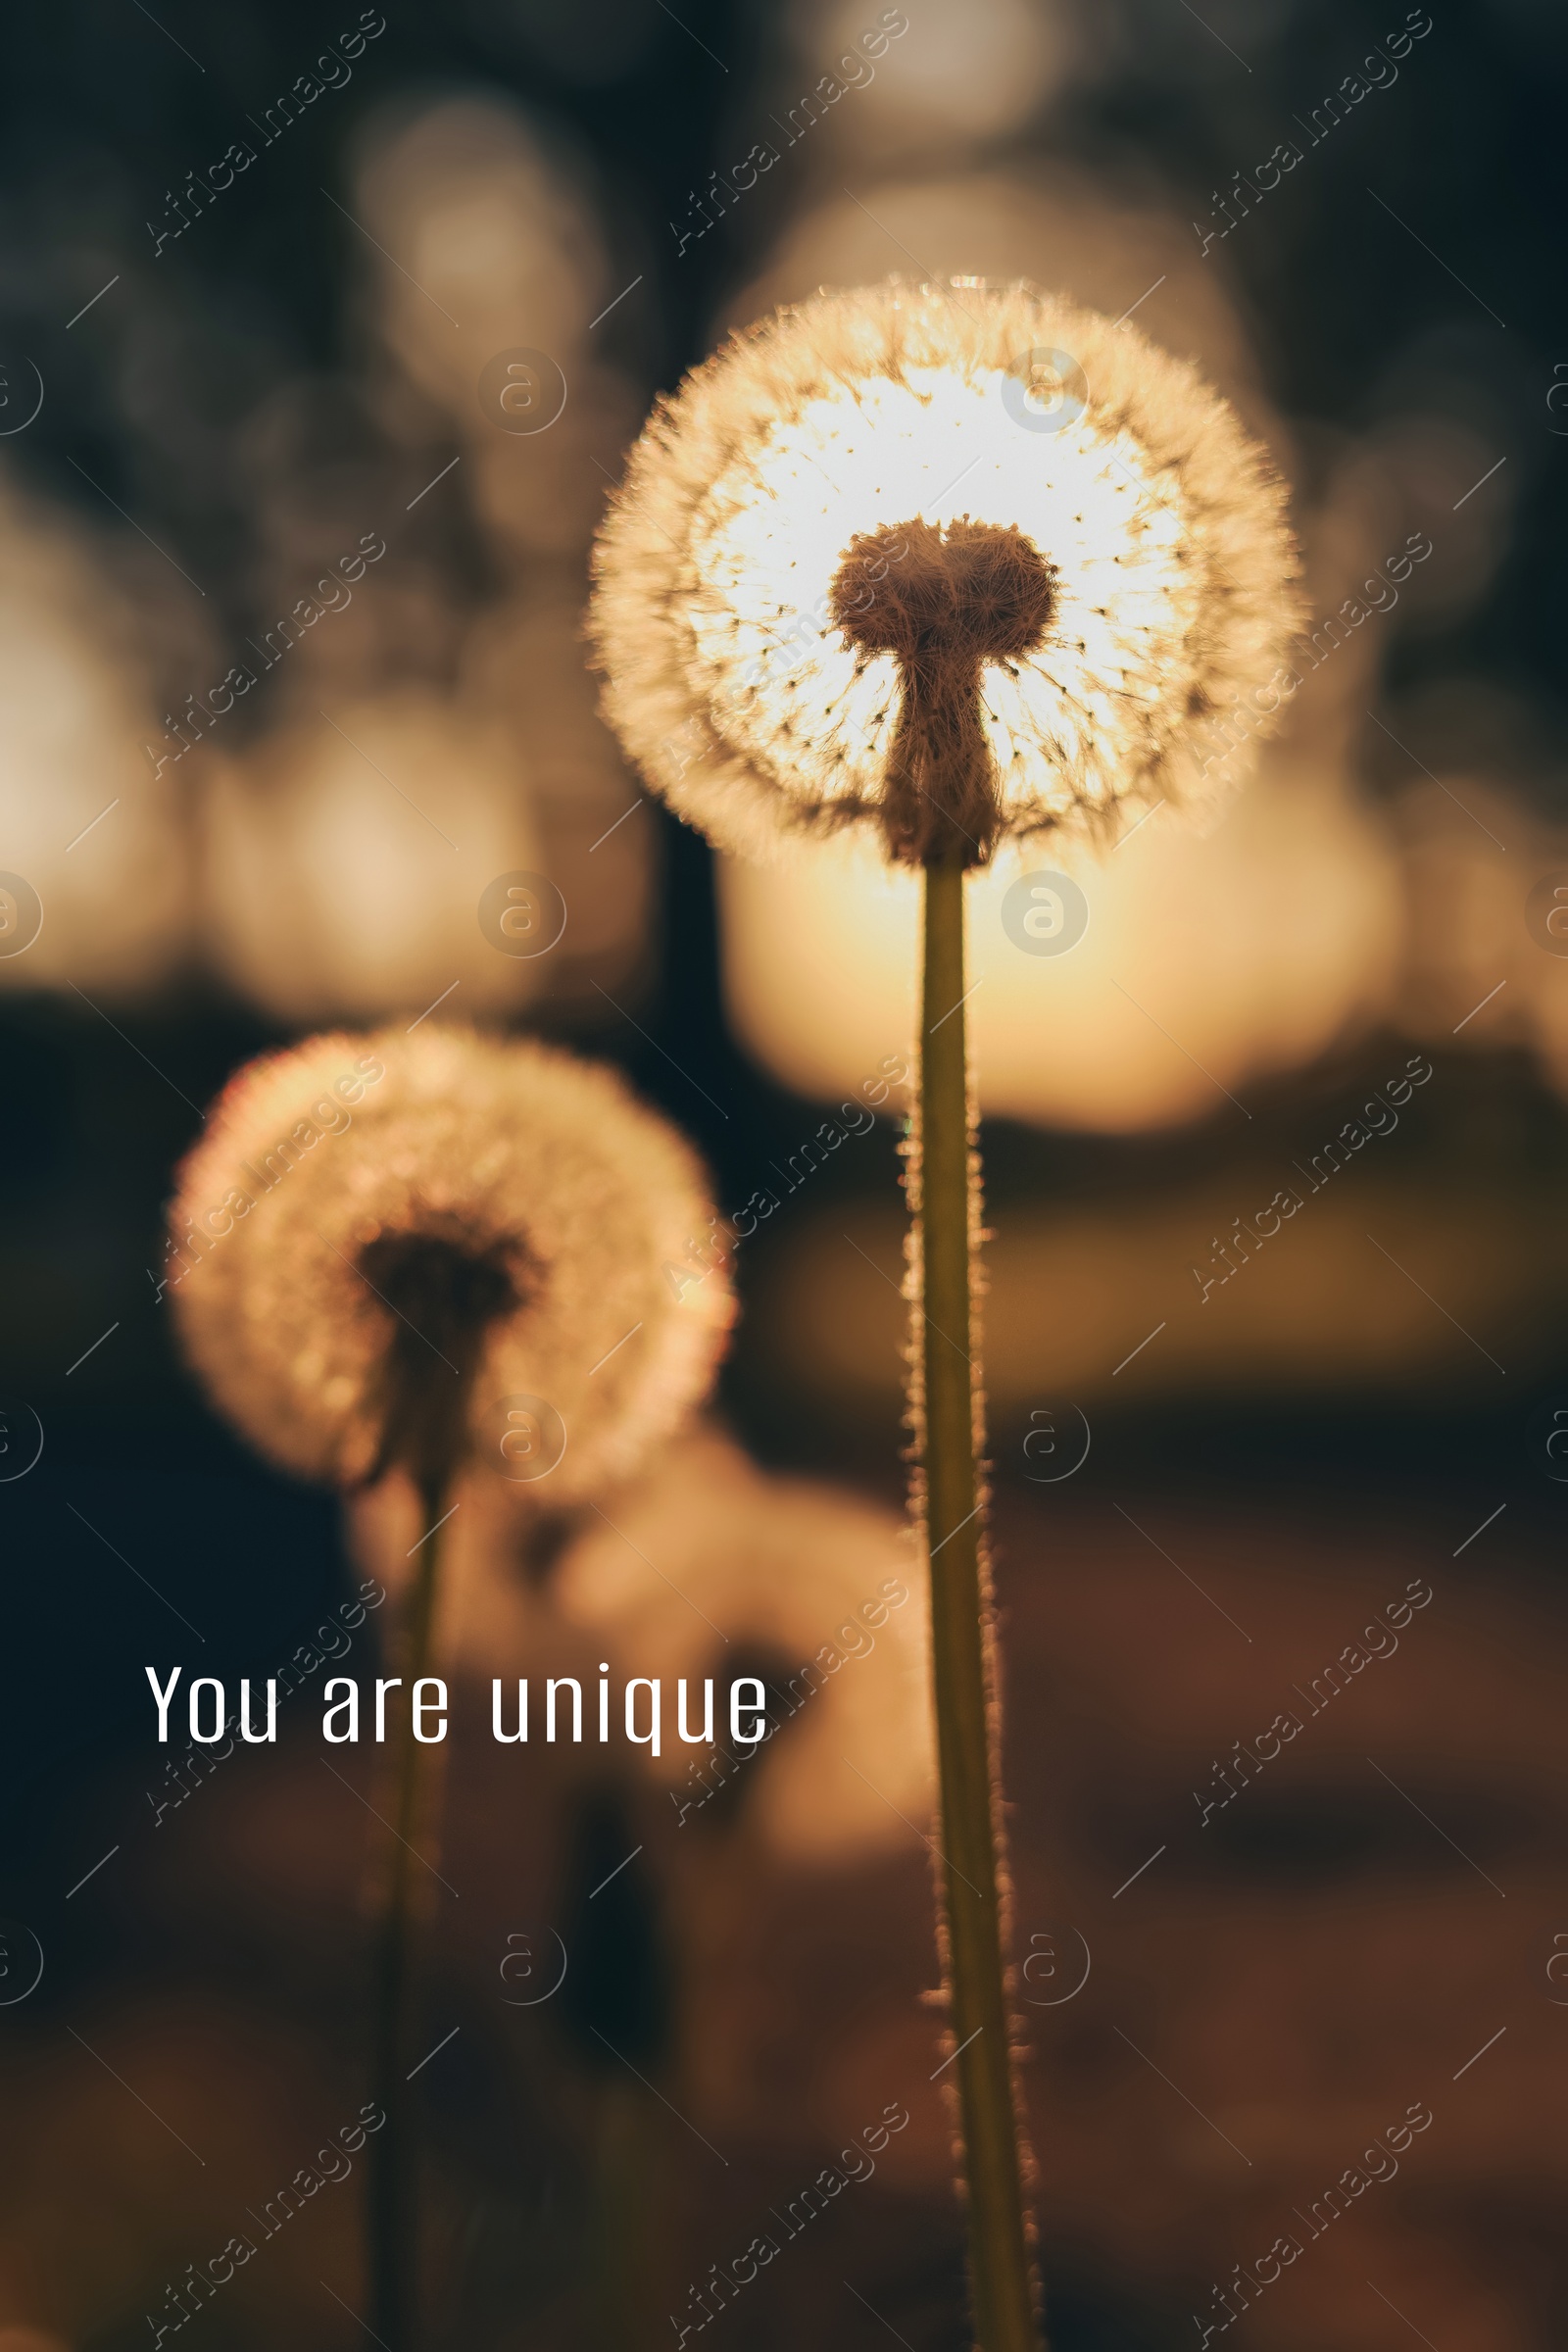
393	2213
962	1654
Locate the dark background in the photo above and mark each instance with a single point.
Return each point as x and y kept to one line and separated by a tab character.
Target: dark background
138	1487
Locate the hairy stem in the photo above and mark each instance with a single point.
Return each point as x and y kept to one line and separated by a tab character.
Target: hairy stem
393	2179
971	1869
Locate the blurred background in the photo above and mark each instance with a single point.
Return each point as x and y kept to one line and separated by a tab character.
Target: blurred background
321	344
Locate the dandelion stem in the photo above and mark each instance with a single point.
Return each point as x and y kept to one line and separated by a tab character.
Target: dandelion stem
971	1869
393	2179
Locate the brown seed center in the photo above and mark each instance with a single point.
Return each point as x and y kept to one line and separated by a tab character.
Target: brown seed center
943	601
444	1291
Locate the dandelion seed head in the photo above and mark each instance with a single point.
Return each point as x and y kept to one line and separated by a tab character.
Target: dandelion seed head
381	1240
721	606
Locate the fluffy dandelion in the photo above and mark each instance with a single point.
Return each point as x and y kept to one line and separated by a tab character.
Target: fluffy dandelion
960	565
379	1240
408	1251
904	519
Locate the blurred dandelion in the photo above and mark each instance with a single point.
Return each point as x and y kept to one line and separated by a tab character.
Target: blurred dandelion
708	1555
957	565
293	1240
400	1253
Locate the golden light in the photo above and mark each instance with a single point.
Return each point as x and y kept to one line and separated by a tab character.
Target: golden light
522	662
345	861
1207	959
512	273
490	238
932	79
89	821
